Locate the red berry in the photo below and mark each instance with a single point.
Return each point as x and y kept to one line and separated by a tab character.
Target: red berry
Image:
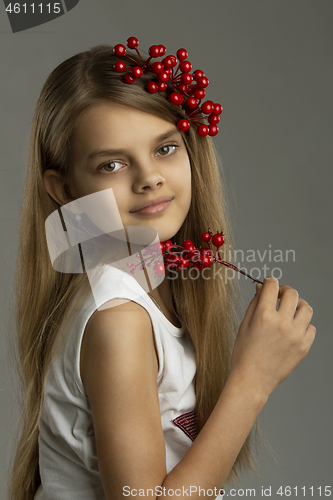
203	82
182	54
217	109
213	130
199	94
169	61
195	260
203	130
182	88
163	77
206	260
183	125
213	119
119	50
176	98
185	66
168	245
205	237
188	245
129	79
207	107
190	90
170	257
198	74
159	268
119	66
162	86
184	263
186	78
137	72
157	67
206	251
162	50
191	103
172	261
132	42
154	51
218	240
152	87
161	246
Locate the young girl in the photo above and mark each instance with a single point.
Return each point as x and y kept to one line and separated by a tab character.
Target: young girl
128	393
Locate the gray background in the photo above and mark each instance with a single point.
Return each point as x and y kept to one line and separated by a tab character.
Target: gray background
270	66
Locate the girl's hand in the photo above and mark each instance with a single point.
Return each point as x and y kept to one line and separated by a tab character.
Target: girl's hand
272	342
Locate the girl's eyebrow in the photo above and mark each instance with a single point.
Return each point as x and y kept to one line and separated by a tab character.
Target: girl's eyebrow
112	152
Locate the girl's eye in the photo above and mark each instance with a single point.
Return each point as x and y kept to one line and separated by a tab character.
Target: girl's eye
111	166
166	150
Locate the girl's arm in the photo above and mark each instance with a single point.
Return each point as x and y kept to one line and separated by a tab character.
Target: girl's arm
119	369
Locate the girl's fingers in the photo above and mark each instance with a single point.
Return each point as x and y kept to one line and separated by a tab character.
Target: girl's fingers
290	306
310	335
269	293
252	306
270	289
303	313
289	300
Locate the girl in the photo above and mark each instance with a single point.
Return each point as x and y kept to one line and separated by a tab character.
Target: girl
119	383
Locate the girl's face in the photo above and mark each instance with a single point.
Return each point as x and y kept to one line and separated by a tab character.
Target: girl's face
141	157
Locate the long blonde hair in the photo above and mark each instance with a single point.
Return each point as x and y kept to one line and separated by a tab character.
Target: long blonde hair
207	307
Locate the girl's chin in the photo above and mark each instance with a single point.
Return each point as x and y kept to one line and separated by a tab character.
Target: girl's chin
162	228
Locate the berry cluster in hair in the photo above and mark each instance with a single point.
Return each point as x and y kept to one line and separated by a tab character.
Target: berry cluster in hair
178	257
188	89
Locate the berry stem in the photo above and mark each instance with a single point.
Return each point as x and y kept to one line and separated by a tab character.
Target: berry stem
131	59
196	111
146	63
195	122
177	72
235	268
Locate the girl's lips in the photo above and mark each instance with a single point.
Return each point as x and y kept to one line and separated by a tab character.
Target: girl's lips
153	209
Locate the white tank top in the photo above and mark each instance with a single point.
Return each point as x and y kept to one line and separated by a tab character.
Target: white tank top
67	449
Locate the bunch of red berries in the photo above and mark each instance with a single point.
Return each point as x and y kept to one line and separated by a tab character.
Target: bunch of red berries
188	88
178	257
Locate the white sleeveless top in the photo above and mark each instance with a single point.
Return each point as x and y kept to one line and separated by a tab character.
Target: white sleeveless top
67	450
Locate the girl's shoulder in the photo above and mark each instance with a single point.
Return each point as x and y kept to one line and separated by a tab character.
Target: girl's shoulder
116	299
117	341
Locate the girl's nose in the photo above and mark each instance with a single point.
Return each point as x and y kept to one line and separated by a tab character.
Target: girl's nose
147	176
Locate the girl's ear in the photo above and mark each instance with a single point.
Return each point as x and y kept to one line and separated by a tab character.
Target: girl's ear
57	188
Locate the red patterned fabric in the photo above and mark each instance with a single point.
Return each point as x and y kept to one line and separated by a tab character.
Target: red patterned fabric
188	424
